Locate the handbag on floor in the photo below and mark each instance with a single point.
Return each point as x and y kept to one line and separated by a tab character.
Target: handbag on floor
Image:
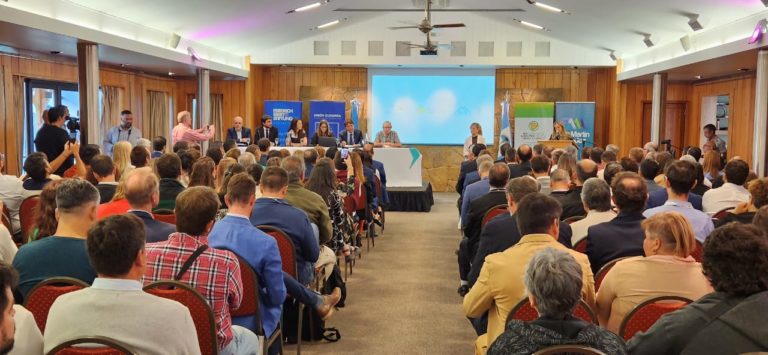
312	326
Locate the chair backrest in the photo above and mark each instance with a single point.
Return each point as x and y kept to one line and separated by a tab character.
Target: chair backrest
27	216
698	251
249	306
40	299
163	215
108	347
201	312
286	247
581	246
722	213
572	219
6	216
642	317
378	185
604	271
493	212
525	312
569	349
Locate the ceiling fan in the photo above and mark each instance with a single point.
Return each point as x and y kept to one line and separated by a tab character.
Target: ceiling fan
426	27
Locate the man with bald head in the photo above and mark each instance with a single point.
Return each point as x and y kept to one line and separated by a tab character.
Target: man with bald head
523	166
238	133
142	190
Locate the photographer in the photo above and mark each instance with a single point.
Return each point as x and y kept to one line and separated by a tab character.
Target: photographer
52	137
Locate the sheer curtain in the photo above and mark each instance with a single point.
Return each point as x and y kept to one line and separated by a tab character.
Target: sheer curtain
217	113
110	110
158	115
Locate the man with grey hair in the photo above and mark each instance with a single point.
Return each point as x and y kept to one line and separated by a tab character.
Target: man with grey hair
62	254
553	281
499	287
650	147
572	150
246	160
474	176
612	148
477	188
309	202
387	137
596	198
145	143
142	190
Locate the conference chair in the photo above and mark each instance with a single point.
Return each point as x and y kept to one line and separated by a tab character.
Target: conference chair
644	315
40	299
163	215
581	246
698	251
492	213
27	216
379	193
569	349
572	219
201	312
722	213
106	346
288	257
604	271
525	312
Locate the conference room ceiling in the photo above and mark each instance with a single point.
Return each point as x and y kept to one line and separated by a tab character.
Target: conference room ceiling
246	26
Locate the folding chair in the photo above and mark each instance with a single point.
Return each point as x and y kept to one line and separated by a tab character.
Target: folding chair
569	349
40	299
167	216
604	271
572	219
27	216
525	312
108	347
581	246
644	315
492	213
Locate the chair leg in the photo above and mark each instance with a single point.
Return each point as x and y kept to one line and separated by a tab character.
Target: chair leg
298	333
372	234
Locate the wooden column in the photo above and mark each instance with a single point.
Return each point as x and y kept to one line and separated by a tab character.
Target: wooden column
88	87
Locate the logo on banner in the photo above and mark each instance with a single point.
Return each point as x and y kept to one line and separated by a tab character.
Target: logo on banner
533	126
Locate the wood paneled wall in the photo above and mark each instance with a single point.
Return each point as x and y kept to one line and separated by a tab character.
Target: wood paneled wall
233	92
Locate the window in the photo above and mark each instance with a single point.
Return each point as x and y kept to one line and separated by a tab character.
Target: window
41	95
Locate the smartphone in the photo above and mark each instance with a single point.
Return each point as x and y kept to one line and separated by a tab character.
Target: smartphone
344	153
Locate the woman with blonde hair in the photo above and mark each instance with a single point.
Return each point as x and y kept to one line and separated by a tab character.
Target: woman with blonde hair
560	134
667	269
119	204
713	167
121	155
221	169
475	137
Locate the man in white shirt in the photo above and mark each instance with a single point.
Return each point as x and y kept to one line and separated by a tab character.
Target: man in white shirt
11	194
732	192
115	305
122	132
596	197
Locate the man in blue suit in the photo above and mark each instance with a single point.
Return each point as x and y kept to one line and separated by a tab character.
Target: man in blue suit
238	133
142	190
351	136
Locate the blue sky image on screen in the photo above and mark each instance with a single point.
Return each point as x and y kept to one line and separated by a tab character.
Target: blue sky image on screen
433	109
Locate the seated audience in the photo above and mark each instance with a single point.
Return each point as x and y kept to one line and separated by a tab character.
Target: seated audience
378	167
629	165
231	171
323	182
679	180
612	148
476	189
121	156
310	158
64	252
158	146
215	153
104	172
38	172
142	190
501	232
553	283
596	199
637	155
246	159
730	320
217	274
203	173
188	159
605	159
732	192
567	162
569	199
82	161
44	214
230	144
701	182
668	269
523	166
309	202
597	156
8	248
623	235
11	194
140	157
264	145
179	146
745	212
20	335
649	169
233	153
712	166
221	170
115	306
255	172
540	165
168	168
235	232
117	205
611	170
499	287
468	166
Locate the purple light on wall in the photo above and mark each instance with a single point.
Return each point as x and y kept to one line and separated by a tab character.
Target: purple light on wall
223	28
757	34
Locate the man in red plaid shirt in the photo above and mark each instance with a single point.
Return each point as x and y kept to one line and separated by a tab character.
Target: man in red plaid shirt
215	273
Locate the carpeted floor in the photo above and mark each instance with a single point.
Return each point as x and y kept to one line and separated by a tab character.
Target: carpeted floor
402	296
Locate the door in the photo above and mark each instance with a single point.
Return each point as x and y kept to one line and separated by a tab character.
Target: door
673	125
40	96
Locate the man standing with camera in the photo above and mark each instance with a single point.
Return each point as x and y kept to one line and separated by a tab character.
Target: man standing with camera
52	137
122	132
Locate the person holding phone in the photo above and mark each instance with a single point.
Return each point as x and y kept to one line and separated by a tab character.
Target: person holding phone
184	131
52	138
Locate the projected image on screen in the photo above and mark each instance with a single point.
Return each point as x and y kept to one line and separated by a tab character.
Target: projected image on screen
432	109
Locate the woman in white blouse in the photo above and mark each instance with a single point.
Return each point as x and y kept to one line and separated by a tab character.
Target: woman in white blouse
475	138
297	137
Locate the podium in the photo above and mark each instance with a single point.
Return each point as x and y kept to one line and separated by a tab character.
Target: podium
558	144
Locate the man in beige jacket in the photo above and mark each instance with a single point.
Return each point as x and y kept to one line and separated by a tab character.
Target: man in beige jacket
500	284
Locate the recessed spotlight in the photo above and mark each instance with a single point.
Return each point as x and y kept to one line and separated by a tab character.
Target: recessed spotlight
529	24
329	24
548	7
694	23
170	73
647	41
697	77
612	55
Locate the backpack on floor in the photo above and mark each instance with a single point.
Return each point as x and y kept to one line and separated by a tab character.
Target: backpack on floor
335	280
312	327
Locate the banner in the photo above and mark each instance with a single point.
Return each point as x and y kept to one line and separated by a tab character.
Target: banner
578	118
331	111
533	122
282	112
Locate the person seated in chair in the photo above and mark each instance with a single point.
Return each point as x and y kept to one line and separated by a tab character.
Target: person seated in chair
241	135
169	169
350	136
142	190
115	306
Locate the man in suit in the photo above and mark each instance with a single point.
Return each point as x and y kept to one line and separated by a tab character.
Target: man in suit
500	284
560	190
477	188
622	236
468	166
238	133
377	166
523	166
267	130
115	305
142	190
498	177
659	197
350	135
501	232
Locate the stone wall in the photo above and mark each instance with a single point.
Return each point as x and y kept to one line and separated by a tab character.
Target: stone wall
440	166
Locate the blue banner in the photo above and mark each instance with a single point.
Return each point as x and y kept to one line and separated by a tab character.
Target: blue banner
578	118
282	112
331	111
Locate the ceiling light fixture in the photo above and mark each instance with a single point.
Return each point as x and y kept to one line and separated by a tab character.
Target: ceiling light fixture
693	21
697	77
309	7
613	55
760	29
329	24
550	7
170	73
529	24
647	41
